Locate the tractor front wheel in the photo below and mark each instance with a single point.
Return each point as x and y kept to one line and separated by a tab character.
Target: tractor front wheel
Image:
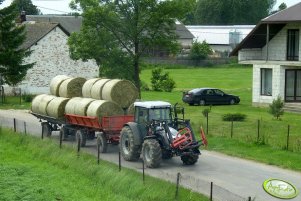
129	151
189	159
151	153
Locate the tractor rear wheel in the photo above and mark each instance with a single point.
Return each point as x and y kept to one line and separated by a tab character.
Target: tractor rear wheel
81	137
129	151
46	129
102	143
189	159
151	153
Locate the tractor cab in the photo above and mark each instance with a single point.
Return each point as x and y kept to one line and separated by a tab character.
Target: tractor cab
148	111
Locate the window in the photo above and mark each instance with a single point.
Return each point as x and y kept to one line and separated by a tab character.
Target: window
293	45
266	81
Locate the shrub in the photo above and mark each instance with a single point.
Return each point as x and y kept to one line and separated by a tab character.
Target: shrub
276	108
234	117
162	82
27	97
200	51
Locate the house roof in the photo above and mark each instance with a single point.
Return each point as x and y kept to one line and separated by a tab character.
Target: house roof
36	31
257	37
183	32
69	23
219	35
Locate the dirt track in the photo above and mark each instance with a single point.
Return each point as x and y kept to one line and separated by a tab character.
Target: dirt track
234	179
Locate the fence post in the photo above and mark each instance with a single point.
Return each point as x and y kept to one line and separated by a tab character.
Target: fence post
98	152
211	191
231	128
177	187
207	129
15	126
24	127
61	139
20	90
288	137
119	156
78	145
258	130
250	199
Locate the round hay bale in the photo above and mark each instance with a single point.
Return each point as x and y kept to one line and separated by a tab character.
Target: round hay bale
97	88
82	106
131	109
55	84
56	107
122	92
72	87
36	103
70	106
44	102
86	90
100	108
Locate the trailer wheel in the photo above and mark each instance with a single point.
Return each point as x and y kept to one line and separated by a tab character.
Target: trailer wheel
189	159
102	143
129	151
64	132
151	153
81	136
46	129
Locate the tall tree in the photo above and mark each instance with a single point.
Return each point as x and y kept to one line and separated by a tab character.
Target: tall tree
121	30
12	36
27	6
282	6
216	12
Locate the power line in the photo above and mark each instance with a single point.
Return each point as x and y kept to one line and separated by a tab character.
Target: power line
53	9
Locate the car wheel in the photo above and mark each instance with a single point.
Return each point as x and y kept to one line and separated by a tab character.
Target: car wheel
191	104
232	102
202	102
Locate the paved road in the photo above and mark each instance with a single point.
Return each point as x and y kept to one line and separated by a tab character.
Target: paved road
234	179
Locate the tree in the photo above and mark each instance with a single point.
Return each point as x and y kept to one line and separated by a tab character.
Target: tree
125	29
12	56
282	6
276	108
217	12
27	6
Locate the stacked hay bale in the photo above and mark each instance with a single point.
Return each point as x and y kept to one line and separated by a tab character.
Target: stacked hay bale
94	97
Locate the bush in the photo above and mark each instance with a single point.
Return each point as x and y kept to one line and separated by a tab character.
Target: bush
276	108
162	82
200	51
234	117
27	97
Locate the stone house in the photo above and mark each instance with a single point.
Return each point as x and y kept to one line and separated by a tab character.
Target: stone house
272	47
50	52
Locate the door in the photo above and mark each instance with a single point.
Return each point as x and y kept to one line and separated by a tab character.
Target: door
293	85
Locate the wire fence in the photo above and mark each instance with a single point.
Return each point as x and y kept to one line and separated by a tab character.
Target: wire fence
210	189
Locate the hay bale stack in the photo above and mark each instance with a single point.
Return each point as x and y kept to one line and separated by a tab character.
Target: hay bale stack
56	107
55	84
36	103
100	108
70	106
44	103
131	109
72	87
122	92
96	90
86	90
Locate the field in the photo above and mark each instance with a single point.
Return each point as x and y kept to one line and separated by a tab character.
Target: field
235	79
31	169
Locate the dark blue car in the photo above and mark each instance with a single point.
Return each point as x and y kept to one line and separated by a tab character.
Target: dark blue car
209	96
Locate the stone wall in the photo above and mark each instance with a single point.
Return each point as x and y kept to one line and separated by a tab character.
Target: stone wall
51	55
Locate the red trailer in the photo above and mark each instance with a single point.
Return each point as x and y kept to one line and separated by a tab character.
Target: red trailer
107	129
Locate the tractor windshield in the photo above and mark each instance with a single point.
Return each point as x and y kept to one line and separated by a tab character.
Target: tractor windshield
162	114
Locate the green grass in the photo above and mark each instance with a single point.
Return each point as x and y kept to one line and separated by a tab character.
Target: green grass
13	102
235	79
32	169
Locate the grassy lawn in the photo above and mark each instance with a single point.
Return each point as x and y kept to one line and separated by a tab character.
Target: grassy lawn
13	102
235	79
31	169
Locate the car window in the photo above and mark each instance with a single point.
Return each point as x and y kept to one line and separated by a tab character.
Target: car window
209	92
219	92
195	91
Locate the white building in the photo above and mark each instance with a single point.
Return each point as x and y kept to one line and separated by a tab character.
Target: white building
221	38
273	49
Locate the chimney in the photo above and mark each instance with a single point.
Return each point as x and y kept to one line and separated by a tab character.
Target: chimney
23	16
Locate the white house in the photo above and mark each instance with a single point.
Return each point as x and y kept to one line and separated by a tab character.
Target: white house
273	49
221	38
